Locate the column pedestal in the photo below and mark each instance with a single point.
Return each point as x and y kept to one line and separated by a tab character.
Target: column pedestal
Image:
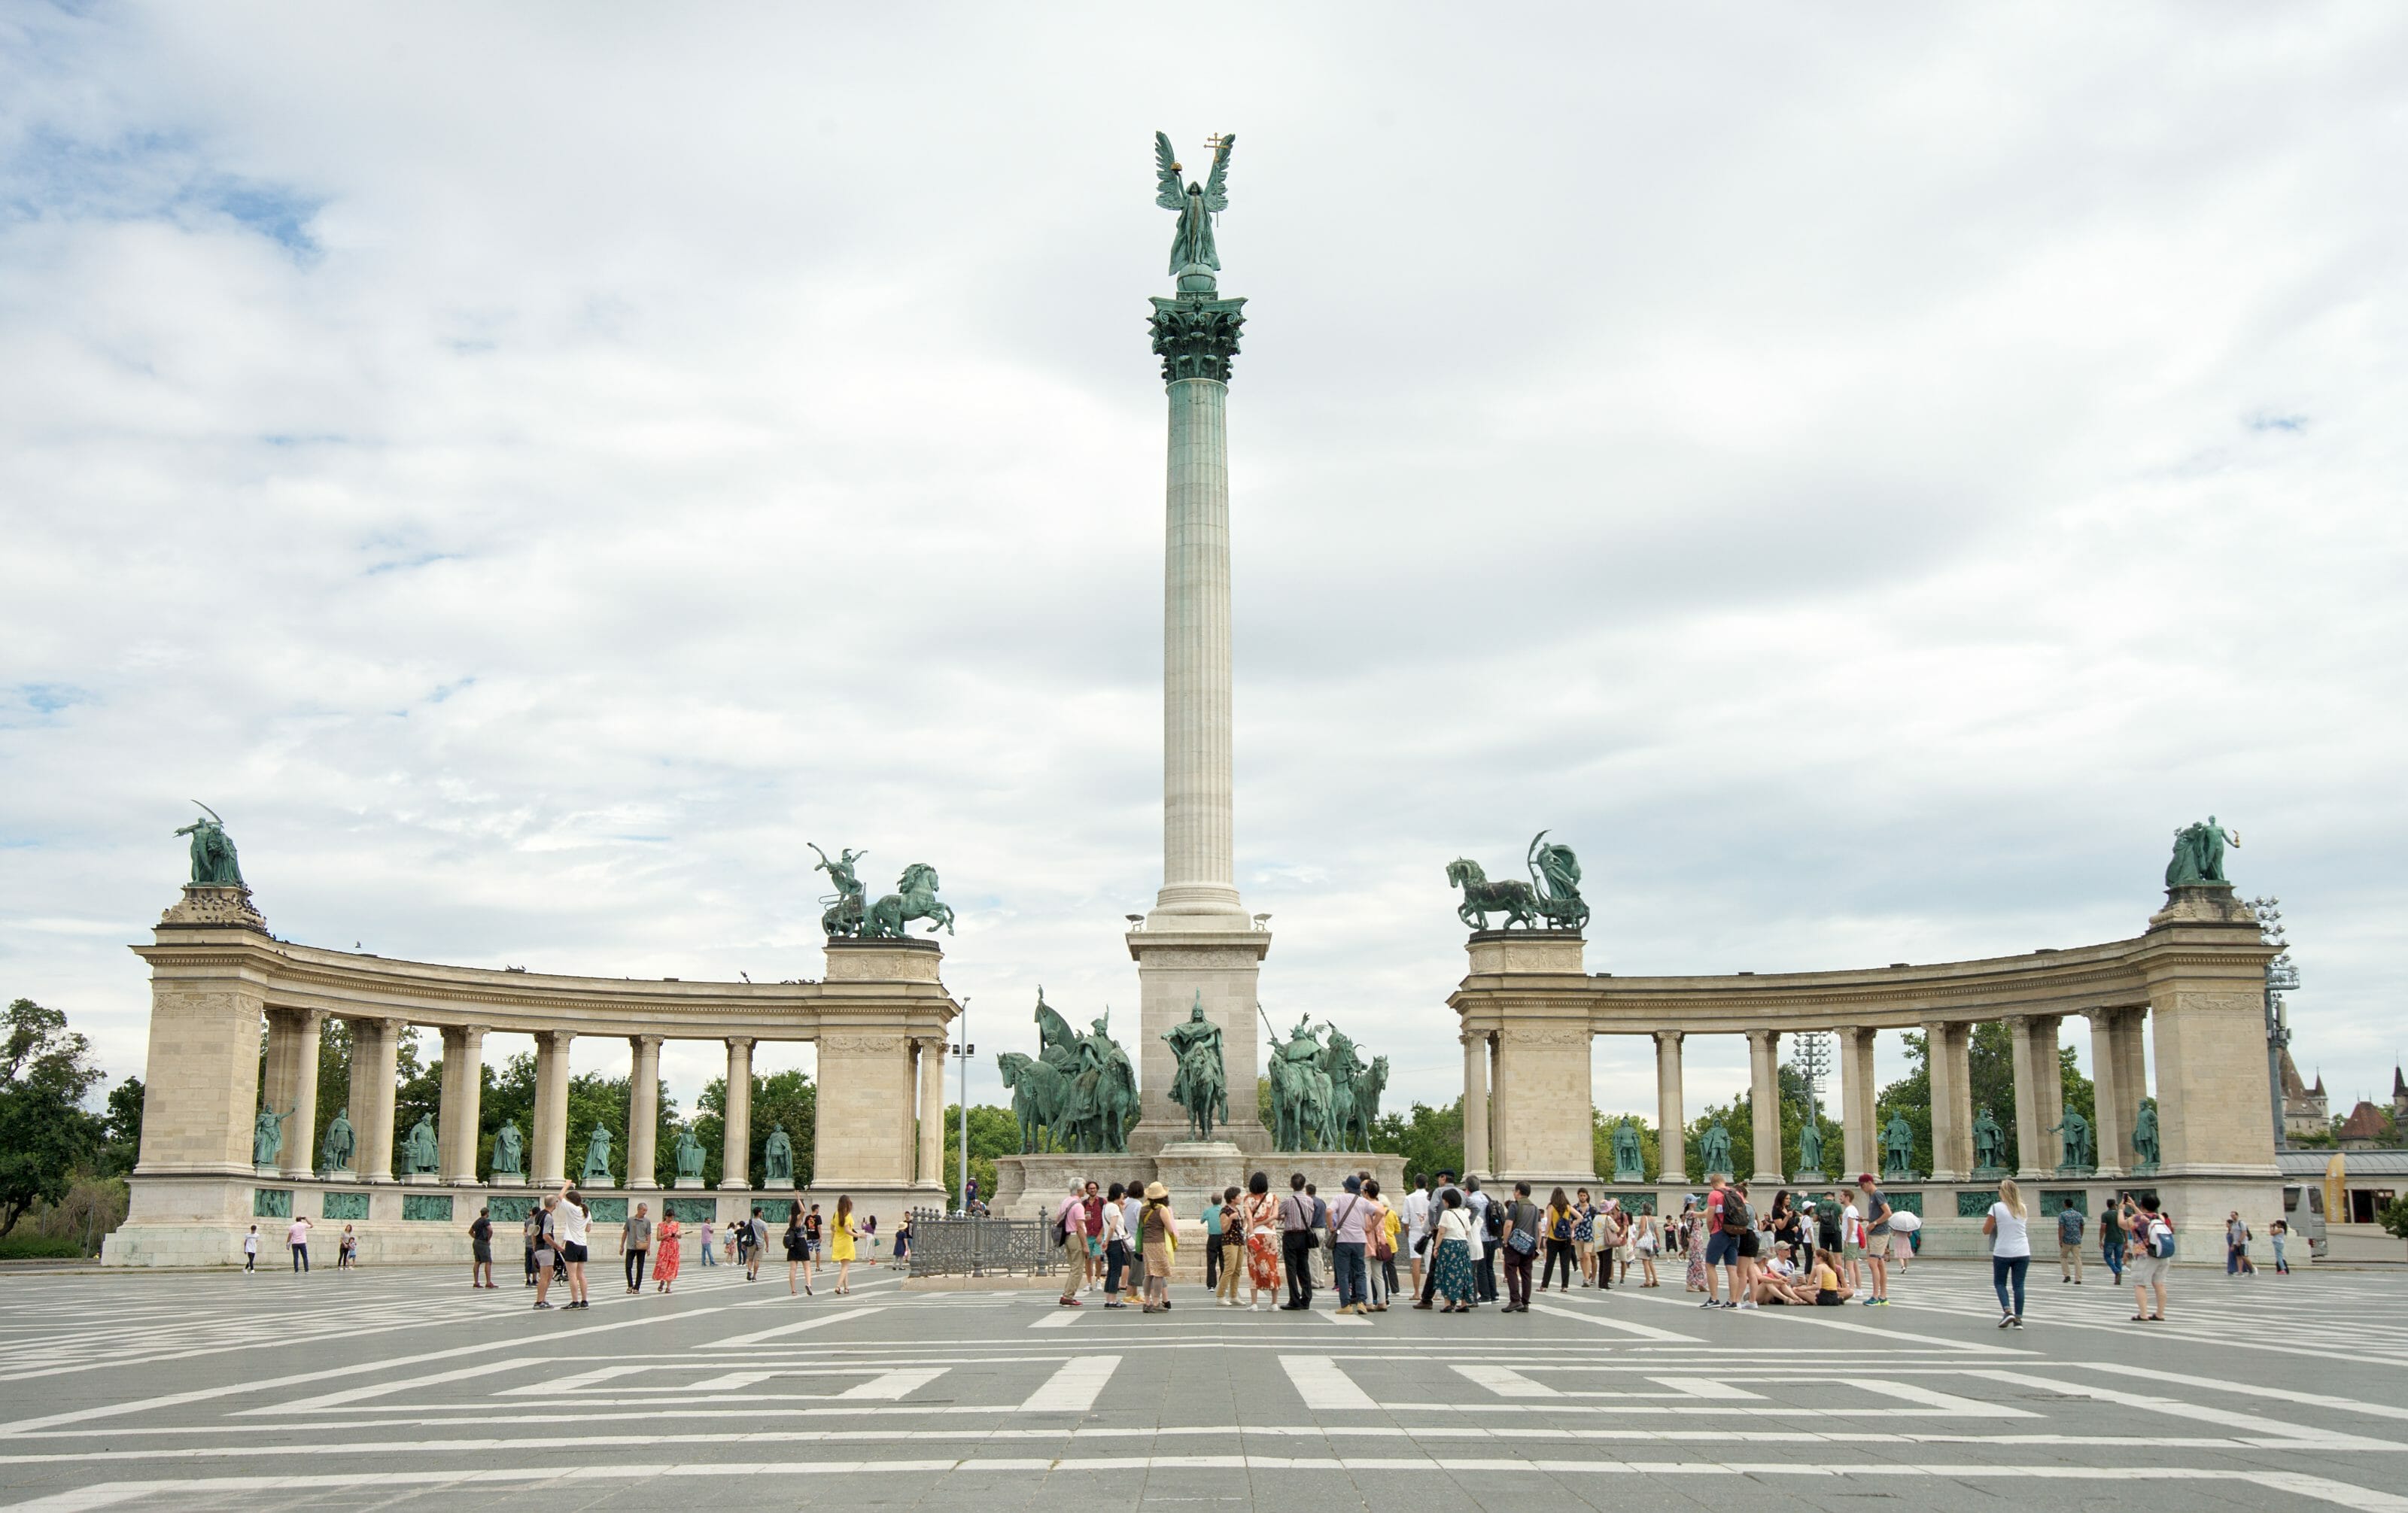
1177	968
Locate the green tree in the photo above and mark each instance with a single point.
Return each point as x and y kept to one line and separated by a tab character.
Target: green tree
994	1132
45	1072
122	1129
781	1097
1429	1140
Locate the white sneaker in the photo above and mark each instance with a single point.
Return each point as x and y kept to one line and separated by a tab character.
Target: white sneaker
1749	1304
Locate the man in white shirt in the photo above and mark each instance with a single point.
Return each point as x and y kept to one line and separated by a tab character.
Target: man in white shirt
1415	1211
569	1219
1852	1239
1070	1221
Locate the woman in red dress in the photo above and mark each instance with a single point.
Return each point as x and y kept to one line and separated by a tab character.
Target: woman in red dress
664	1252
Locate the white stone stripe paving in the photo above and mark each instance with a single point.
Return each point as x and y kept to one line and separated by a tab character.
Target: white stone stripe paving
110	1495
1323	1385
1075	1387
2225	1418
1417	1433
1622	1326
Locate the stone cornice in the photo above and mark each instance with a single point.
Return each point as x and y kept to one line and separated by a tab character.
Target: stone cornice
352	985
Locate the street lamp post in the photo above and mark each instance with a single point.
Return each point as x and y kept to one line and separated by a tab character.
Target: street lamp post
962	1052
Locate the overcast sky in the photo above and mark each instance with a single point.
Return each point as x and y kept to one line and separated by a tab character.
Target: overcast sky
1863	476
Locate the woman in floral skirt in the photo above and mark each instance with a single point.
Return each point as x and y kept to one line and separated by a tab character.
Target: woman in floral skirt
1454	1285
1262	1241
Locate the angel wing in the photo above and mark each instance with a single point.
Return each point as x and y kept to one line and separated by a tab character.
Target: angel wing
1166	167
1216	188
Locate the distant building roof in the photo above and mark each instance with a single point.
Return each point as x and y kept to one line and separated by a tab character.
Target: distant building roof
2355	1163
2293	1087
2365	1123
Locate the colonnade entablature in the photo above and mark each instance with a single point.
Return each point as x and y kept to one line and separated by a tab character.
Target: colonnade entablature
214	1135
2194	980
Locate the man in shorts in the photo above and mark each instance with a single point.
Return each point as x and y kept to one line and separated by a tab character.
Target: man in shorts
541	1235
1751	1244
1876	1239
2149	1233
1071	1222
1721	1249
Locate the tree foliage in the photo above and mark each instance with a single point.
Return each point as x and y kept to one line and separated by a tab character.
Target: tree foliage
45	1072
994	1132
122	1129
1429	1140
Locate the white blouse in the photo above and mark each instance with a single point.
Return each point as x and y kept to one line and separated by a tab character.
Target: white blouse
1455	1224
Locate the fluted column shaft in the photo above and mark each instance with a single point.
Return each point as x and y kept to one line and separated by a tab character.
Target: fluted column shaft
1475	1105
1671	1115
932	1113
292	1084
463	1093
1946	1048
2111	1136
2039	1092
1764	1102
643	1109
375	1053
1197	868
736	1150
550	1161
1859	1144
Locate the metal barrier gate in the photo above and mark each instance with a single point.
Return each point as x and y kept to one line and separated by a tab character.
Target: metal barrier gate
957	1244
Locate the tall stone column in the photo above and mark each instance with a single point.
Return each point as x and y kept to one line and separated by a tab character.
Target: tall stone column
1764	1103
643	1109
1672	1112
736	1150
2031	1163
464	1091
548	1161
1198	945
376	1055
2048	1091
932	1113
1475	1105
1947	1048
2132	1077
2112	1136
1859	1142
292	1085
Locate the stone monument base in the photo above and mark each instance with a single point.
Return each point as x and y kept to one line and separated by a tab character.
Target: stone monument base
421	1179
598	1184
688	1184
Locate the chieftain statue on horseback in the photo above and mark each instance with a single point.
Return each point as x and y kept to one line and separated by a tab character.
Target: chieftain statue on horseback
1078	1094
1550	900
1323	1098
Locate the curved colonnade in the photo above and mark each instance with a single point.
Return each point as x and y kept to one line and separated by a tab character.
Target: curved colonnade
879	1019
2196	975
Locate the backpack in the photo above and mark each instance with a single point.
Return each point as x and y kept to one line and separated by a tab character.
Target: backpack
2161	1240
1492	1219
1736	1219
1524	1238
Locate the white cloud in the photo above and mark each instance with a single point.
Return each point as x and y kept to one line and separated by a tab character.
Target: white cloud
534	471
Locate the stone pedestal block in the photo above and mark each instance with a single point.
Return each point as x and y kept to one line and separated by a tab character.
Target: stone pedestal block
1177	968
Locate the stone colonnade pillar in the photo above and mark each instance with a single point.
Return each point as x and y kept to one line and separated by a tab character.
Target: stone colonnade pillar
464	1095
2112	1136
1475	1104
932	1113
2033	1040
376	1051
1860	1141
1948	1047
1672	1114
548	1159
1764	1103
643	1110
292	1085
736	1149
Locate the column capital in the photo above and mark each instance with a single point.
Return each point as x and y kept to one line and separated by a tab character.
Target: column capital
1670	1037
1763	1037
1469	1038
558	1039
1196	335
643	1042
741	1042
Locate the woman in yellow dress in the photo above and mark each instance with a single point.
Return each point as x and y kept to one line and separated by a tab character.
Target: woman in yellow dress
841	1238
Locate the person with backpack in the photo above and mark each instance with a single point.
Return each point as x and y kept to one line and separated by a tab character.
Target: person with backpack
1069	1236
1721	1249
1560	1220
2236	1247
1296	1243
1381	1258
481	1249
1519	1227
1350	1246
541	1256
2152	1250
1739	1221
2069	1246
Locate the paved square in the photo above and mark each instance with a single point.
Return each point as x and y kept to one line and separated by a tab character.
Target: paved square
402	1388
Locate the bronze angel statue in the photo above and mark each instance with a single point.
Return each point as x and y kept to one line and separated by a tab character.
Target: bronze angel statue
1197	204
